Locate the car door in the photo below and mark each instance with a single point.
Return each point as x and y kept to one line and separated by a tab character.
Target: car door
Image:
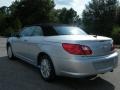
34	43
20	44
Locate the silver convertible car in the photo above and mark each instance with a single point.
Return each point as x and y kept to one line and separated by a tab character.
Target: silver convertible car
63	50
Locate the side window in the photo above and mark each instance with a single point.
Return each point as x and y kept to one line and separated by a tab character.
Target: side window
27	31
37	31
49	31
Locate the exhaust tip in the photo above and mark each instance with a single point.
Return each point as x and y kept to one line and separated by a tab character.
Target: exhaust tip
112	71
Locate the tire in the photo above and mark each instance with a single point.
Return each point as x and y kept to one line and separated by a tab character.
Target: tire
9	52
92	77
46	67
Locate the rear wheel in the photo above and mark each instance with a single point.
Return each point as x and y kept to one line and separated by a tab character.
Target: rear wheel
9	52
46	68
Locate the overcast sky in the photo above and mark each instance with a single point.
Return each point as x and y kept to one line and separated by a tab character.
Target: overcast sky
77	5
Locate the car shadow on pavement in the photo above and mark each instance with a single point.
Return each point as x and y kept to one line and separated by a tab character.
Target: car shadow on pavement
84	84
28	77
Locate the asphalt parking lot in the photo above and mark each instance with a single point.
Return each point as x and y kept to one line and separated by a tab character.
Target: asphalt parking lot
18	75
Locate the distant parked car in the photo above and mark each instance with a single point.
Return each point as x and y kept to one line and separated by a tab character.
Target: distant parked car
63	50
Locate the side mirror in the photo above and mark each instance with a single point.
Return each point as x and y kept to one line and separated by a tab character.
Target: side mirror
17	35
9	35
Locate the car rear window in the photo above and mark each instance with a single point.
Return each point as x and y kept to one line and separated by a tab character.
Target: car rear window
62	30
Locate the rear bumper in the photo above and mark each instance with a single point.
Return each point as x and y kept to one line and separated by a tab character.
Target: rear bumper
86	66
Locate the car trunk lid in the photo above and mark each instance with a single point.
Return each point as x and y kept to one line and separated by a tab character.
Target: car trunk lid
99	45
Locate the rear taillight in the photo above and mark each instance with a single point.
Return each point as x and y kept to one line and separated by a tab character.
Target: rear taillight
77	49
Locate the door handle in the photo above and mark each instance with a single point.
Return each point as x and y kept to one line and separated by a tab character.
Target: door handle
25	40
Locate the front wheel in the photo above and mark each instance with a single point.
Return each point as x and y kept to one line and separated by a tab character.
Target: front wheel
9	52
46	68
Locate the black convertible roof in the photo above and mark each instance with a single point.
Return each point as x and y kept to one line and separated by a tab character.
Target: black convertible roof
49	24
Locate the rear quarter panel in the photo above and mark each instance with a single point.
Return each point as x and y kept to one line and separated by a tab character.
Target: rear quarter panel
57	54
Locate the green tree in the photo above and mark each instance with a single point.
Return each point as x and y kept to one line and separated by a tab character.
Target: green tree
62	15
67	16
33	11
118	16
3	16
8	23
4	11
99	16
26	12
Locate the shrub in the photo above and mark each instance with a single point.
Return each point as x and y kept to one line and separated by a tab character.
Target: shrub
116	35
